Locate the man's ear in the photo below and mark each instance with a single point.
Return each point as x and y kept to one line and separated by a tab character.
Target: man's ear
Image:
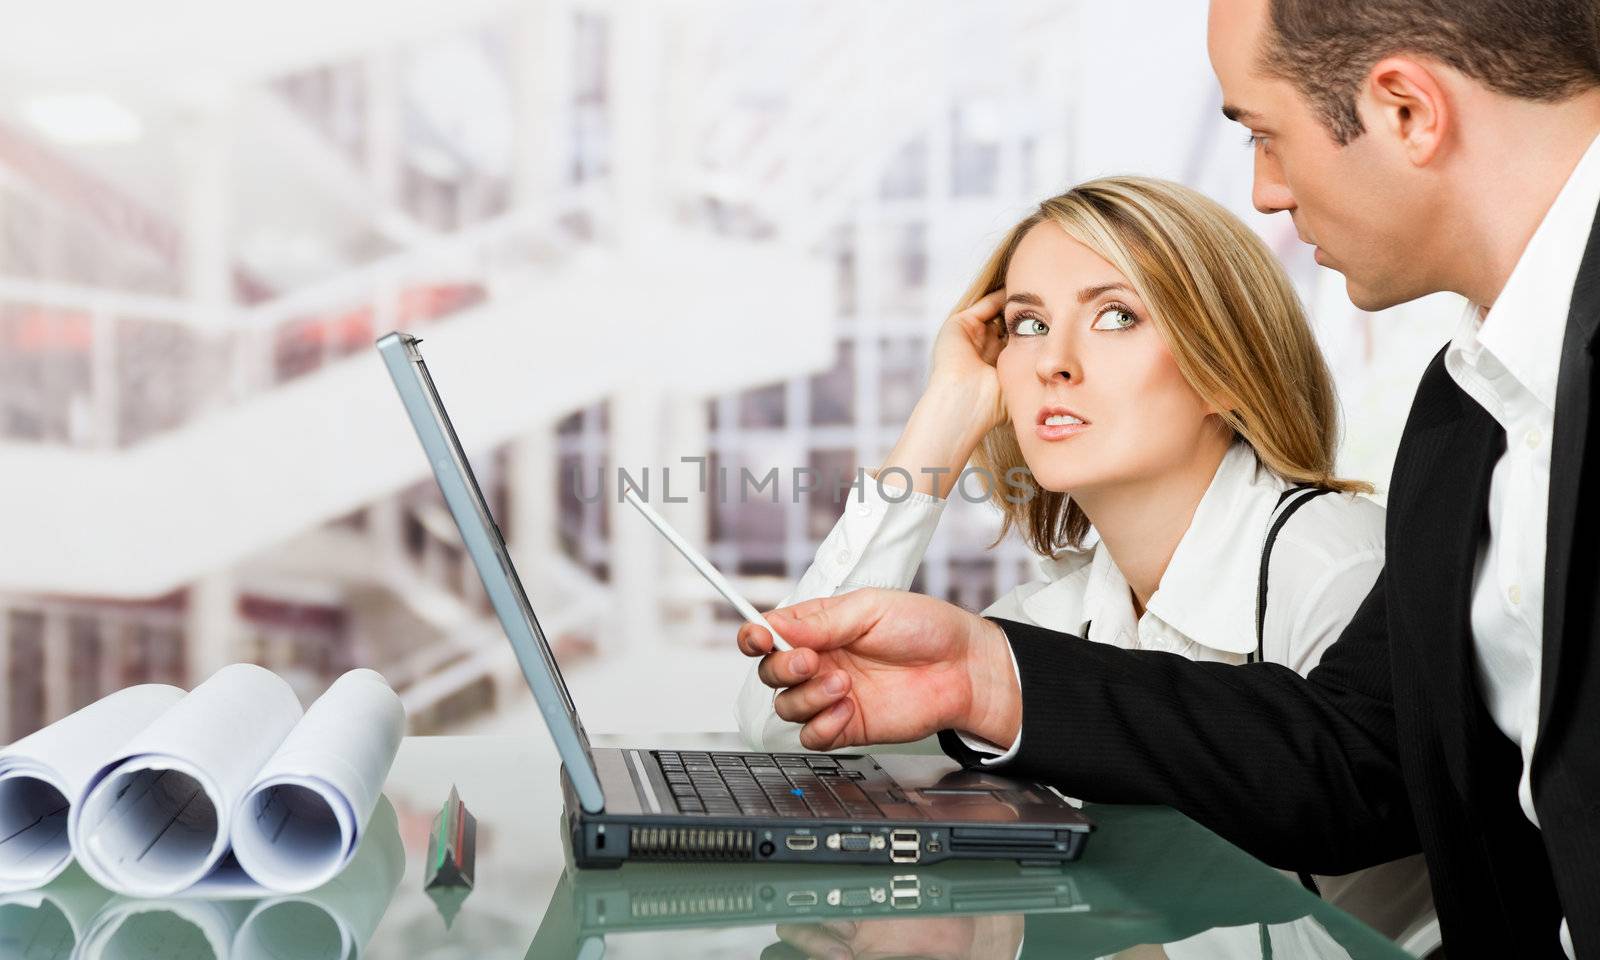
1410	104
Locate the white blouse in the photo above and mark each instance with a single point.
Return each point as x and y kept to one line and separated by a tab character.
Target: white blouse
1324	563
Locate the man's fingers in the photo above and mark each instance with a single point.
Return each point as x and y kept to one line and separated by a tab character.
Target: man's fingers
829	622
787	668
828	729
800	703
813	941
754	640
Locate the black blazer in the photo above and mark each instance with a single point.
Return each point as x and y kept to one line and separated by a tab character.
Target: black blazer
1386	747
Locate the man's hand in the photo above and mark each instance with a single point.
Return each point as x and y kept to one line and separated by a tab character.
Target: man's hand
886	666
936	938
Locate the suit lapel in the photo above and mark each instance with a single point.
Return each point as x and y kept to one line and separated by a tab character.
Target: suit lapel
1574	388
1433	553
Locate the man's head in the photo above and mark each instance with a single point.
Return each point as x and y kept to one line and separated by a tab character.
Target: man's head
1362	114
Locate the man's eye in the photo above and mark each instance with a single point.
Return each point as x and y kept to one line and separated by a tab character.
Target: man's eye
1115	318
1254	140
1028	327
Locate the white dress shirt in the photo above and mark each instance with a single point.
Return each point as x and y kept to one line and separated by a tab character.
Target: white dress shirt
1508	360
1323	565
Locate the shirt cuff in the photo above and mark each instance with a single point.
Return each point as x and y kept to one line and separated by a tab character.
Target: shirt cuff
984	747
878	541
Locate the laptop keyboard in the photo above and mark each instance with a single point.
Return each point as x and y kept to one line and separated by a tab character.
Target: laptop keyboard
765	784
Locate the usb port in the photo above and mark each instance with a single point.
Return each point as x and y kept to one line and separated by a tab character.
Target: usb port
905	892
798	842
905	846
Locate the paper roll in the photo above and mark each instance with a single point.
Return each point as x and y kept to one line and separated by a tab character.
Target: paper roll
43	774
301	820
156	818
337	920
166	929
48	923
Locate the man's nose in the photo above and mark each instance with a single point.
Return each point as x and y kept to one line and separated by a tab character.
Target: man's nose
1269	193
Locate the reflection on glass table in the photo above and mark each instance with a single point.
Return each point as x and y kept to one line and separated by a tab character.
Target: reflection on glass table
1152	883
1167	881
75	918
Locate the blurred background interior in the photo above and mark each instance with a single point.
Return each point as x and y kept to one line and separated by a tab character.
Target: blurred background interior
629	231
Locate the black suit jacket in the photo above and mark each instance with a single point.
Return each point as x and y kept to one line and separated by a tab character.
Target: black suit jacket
1386	747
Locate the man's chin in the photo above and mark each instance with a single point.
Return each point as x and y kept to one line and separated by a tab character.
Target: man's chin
1372	299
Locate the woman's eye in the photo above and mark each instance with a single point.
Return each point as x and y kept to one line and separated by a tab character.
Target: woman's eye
1028	327
1115	318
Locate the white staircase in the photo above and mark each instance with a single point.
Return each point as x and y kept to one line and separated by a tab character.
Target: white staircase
145	519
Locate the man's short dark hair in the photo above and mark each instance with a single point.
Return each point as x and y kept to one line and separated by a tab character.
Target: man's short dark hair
1544	50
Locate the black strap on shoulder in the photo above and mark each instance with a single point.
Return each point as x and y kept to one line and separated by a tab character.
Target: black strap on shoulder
1291	501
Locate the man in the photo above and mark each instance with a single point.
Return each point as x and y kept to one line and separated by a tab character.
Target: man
1421	146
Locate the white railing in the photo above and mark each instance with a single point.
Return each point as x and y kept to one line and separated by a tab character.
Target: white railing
95	368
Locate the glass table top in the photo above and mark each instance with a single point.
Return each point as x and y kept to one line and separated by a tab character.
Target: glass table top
1151	884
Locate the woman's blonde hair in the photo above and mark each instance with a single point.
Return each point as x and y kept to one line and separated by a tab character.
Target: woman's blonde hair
1227	312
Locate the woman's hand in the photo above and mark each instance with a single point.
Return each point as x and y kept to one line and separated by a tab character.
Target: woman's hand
960	405
963	368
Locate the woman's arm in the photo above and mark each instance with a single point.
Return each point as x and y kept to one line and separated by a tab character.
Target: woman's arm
878	543
1324	565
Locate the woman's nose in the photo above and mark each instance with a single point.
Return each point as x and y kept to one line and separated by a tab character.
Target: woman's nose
1058	359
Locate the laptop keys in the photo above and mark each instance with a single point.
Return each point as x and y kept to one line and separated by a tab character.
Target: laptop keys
789	785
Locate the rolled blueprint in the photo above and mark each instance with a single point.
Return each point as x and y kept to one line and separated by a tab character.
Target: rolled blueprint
164	929
46	924
335	921
43	774
157	817
302	818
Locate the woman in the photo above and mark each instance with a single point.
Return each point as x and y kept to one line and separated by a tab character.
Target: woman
1139	351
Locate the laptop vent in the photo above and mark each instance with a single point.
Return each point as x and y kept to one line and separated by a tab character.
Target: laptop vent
713	899
691	843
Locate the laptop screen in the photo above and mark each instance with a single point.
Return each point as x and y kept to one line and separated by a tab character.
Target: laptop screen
493	562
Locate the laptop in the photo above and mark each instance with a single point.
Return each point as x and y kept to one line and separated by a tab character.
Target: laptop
696	805
659	900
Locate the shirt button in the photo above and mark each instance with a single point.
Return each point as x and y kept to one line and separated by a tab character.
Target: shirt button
844	556
864	510
1515	593
1534	439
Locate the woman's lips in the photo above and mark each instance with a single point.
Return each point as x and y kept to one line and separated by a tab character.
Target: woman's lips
1068	424
1062	431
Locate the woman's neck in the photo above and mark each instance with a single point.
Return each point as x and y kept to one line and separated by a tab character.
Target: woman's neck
1142	523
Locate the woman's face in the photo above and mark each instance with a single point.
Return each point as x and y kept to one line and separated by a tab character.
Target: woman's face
1093	392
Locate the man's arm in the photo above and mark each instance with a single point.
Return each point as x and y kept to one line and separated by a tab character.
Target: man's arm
1300	771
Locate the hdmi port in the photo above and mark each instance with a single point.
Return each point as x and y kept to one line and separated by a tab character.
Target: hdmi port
796	842
801	898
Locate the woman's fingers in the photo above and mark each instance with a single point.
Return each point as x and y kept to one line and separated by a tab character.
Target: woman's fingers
787	668
987	306
982	324
801	702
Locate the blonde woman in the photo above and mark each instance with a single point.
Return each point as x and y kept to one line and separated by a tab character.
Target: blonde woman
1140	353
